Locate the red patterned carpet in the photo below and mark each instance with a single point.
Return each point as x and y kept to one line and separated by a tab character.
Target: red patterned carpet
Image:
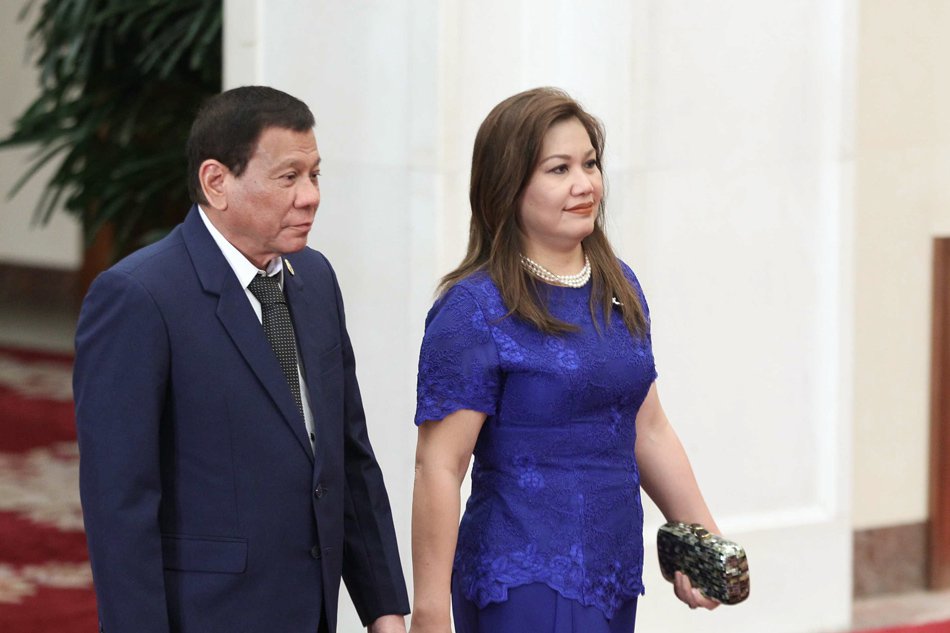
936	627
45	582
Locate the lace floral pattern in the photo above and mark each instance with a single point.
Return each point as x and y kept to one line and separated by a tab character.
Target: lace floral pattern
555	486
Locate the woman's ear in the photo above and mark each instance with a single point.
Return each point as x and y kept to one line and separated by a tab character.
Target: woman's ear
212	175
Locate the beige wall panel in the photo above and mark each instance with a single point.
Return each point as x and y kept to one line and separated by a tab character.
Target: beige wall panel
22	241
902	196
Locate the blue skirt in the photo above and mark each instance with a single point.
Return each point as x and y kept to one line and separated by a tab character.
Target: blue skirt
539	609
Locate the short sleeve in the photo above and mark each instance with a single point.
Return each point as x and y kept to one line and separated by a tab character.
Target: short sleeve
458	362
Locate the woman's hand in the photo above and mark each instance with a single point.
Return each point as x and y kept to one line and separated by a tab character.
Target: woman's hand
689	594
415	627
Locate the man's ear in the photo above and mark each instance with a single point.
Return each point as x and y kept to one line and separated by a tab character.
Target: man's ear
212	175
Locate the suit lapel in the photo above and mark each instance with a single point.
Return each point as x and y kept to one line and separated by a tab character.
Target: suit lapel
237	317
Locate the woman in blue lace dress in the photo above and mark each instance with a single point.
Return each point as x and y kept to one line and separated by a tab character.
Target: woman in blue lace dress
537	360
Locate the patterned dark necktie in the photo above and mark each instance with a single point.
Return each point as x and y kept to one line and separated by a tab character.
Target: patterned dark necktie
279	330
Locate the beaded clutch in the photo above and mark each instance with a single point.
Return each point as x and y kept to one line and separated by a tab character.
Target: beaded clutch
715	566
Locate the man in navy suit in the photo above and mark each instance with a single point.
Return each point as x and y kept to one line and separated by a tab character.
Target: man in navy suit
222	491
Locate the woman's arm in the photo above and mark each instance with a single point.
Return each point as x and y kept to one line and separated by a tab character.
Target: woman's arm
443	452
666	475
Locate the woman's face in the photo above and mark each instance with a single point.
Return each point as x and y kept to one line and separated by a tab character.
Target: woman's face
559	205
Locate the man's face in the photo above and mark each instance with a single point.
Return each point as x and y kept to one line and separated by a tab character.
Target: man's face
271	206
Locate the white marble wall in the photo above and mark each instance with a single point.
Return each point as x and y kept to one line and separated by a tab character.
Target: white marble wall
728	159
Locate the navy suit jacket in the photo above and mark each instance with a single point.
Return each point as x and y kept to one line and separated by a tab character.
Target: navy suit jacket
205	508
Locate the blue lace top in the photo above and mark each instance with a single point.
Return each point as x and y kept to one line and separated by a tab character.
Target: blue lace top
555	486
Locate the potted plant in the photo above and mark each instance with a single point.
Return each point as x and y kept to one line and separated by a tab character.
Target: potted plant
120	81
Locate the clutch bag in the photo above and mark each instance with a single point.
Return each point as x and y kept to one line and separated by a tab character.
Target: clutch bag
715	566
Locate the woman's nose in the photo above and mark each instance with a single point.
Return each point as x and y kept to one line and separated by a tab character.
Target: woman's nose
583	184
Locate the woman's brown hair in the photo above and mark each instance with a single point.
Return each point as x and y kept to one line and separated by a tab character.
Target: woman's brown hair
507	149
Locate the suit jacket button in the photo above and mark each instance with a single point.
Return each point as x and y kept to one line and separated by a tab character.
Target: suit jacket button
315	552
319	491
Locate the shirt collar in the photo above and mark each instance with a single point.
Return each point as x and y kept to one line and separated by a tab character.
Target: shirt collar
243	269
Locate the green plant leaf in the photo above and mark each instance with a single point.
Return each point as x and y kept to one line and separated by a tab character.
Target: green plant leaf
119	81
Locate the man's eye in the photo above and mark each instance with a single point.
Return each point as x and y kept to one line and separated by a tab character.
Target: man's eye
314	175
289	177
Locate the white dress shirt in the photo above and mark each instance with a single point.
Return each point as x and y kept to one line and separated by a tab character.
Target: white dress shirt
245	272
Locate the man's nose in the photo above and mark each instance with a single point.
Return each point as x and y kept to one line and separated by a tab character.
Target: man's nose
308	194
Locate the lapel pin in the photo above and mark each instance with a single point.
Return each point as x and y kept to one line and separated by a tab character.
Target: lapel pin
289	267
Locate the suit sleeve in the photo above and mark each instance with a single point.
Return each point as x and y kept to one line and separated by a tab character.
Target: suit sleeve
119	381
371	567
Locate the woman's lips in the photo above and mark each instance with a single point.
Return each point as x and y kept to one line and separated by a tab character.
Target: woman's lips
587	207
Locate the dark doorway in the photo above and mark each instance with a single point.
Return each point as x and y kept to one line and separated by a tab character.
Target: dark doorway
939	562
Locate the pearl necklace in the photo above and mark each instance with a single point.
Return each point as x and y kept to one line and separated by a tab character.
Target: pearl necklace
571	281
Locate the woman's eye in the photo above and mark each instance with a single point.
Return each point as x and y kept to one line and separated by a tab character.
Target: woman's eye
591	164
560	169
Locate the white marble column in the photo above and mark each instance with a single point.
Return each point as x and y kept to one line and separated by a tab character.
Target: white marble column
729	169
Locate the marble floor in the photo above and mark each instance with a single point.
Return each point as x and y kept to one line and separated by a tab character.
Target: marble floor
894	610
21	326
32	328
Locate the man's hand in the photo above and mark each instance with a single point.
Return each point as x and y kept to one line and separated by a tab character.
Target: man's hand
388	624
685	591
